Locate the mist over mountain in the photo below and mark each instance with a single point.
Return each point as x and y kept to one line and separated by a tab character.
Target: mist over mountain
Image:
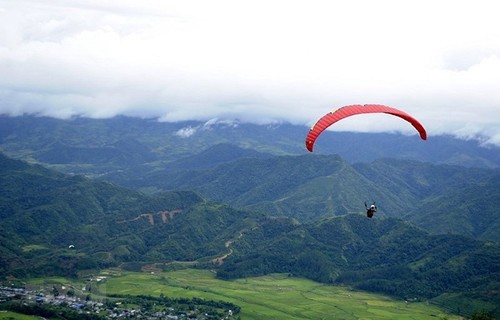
96	146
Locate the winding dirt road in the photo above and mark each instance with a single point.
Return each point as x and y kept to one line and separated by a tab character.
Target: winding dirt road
220	260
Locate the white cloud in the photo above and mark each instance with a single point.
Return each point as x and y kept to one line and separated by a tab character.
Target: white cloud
186	132
258	61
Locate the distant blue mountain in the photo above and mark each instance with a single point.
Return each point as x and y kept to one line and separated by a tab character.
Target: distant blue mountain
96	146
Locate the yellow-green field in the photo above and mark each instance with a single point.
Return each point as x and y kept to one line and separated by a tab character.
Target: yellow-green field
272	297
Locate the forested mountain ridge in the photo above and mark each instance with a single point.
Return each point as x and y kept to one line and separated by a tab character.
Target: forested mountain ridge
440	198
382	255
443	198
44	212
287	209
151	155
96	146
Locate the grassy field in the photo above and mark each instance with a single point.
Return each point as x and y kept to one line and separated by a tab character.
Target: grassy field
273	296
7	315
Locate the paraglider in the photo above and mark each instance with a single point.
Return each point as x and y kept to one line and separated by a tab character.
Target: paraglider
371	210
327	120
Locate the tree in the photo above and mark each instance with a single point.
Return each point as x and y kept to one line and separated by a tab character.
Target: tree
482	315
55	292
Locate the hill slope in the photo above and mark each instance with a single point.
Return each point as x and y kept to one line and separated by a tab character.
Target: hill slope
440	198
44	212
384	255
96	146
443	198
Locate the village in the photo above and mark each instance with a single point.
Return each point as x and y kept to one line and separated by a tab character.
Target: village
64	297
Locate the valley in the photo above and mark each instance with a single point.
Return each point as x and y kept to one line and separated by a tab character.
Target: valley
274	296
253	216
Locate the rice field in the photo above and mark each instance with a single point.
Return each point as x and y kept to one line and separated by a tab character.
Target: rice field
274	296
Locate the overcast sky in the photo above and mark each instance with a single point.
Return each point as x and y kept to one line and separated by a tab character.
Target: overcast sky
257	61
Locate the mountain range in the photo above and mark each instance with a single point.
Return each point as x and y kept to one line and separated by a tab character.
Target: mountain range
248	200
96	146
439	198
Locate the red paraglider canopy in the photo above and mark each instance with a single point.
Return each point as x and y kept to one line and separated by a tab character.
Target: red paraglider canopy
347	111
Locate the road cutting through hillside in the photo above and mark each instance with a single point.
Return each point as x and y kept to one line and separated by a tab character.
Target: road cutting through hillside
156	267
220	260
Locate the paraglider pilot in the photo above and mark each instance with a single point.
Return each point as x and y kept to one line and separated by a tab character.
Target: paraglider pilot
370	211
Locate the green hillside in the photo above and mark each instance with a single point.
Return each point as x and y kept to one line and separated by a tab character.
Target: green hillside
100	146
384	255
56	224
151	156
44	212
442	198
439	198
469	209
306	187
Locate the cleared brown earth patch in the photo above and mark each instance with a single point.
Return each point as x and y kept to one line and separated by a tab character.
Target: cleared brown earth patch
166	216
